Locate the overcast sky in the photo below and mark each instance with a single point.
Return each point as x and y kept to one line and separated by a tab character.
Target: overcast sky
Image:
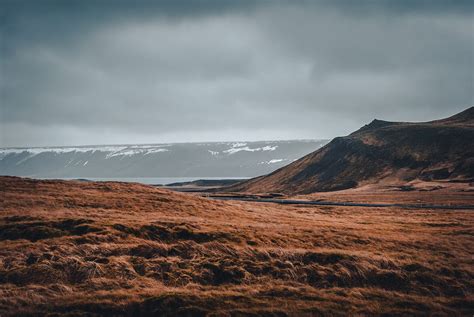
111	72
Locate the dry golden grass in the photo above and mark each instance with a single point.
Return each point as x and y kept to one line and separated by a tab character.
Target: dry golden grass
123	249
416	192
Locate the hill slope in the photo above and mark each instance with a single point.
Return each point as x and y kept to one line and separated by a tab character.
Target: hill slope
380	152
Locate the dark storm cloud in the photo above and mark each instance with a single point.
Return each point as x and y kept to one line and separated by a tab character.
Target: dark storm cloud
151	71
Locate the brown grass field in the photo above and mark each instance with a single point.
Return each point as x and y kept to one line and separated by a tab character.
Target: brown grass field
416	192
121	249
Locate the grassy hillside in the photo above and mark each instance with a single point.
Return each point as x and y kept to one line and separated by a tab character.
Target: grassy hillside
380	152
133	250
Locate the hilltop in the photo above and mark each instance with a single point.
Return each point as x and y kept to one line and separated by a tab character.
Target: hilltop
380	152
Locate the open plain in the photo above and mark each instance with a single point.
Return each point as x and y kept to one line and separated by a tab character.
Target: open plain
124	249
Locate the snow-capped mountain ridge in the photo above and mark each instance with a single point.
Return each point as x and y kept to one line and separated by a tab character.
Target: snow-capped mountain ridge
155	160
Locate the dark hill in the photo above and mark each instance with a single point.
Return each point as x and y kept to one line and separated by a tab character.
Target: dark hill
380	151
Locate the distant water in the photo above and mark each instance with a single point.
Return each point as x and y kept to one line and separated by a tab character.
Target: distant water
148	180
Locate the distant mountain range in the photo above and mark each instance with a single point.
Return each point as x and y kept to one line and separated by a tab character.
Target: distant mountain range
380	152
219	159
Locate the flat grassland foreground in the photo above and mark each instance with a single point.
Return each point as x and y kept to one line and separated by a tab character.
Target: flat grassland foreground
130	249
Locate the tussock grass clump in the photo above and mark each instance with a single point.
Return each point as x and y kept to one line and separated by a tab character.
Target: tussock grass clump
37	230
174	232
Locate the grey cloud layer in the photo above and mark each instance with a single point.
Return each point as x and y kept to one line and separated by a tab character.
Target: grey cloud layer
227	70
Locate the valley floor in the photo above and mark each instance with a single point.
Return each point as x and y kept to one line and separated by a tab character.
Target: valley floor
86	248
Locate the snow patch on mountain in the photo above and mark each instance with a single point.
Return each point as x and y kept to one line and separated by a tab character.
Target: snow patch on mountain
110	150
136	151
234	150
273	161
